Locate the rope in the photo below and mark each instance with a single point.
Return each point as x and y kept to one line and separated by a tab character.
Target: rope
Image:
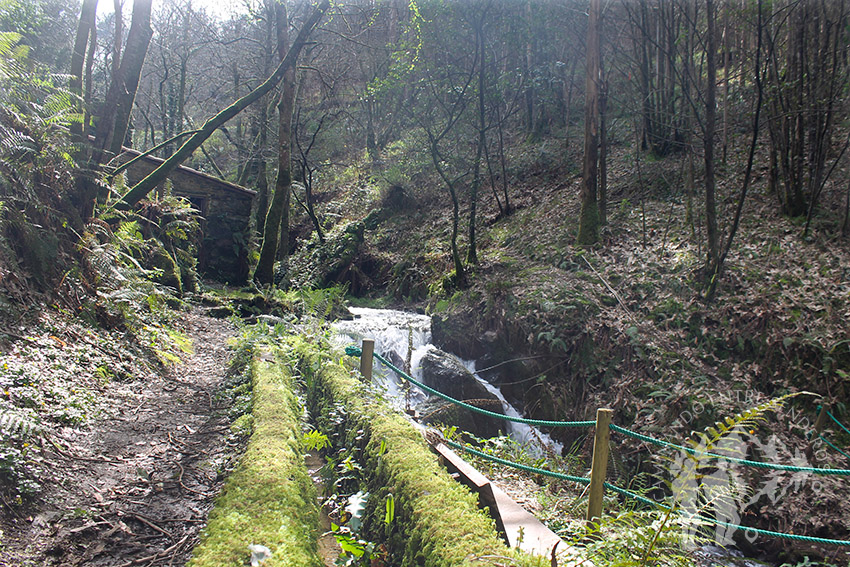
356	351
841	425
526	468
643	499
745	462
634	496
781	535
825	440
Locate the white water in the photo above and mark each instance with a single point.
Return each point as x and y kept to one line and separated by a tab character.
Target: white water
394	332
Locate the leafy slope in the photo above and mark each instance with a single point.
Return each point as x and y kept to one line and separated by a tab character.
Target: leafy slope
622	325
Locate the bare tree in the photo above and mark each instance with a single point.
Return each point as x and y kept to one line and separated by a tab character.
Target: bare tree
588	231
146	185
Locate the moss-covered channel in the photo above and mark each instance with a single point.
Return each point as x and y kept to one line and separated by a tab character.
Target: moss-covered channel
271	501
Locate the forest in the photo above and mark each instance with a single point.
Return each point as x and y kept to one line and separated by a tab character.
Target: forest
634	205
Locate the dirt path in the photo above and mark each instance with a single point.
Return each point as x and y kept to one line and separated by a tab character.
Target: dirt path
136	488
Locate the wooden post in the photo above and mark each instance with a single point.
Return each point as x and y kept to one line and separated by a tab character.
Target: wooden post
821	420
367	350
599	467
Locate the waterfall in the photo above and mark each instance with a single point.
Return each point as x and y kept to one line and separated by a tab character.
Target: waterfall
400	337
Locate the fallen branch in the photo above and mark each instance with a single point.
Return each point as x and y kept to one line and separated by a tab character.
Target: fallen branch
155	556
61	452
150	524
180	482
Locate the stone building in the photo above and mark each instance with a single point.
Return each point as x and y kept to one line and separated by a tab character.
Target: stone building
226	211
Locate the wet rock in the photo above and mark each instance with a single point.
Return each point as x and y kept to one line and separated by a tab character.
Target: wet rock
445	373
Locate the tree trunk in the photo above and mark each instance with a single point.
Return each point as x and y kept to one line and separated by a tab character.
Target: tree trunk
726	63
118	40
603	148
85	30
472	254
143	187
118	105
276	229
708	144
437	160
718	270
528	69
588	231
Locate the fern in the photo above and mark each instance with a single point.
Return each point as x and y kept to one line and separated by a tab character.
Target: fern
750	418
688	480
17	423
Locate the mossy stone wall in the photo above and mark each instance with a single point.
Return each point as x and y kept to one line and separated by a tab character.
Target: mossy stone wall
226	209
270	499
437	521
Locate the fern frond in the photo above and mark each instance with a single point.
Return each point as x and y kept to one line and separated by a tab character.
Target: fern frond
13	142
18	423
747	419
129	232
8	41
59	109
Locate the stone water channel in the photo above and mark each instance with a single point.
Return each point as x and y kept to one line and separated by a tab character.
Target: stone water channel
404	338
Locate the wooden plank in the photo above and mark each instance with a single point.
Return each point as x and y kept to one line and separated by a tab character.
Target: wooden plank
519	527
472	479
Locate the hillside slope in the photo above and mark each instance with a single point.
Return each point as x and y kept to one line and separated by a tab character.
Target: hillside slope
567	330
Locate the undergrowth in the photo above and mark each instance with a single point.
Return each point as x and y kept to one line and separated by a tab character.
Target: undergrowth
382	464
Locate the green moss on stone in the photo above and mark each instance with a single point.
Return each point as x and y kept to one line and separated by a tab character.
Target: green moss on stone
437	521
270	499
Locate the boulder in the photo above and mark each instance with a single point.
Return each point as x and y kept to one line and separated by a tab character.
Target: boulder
447	374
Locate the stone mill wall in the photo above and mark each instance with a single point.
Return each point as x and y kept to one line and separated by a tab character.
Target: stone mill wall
226	211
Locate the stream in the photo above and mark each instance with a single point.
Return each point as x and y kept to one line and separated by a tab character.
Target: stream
404	338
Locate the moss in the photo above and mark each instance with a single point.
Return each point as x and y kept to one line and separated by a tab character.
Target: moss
169	270
437	521
269	500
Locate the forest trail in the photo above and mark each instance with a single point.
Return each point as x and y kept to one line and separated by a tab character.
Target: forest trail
135	489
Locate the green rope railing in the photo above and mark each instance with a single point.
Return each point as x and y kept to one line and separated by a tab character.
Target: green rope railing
770	533
745	462
518	466
635	496
356	351
841	425
642	499
825	440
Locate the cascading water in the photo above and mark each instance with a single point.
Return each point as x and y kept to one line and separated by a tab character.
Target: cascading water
401	337
404	338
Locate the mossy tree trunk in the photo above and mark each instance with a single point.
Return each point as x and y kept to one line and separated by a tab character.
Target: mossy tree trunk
276	228
588	231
